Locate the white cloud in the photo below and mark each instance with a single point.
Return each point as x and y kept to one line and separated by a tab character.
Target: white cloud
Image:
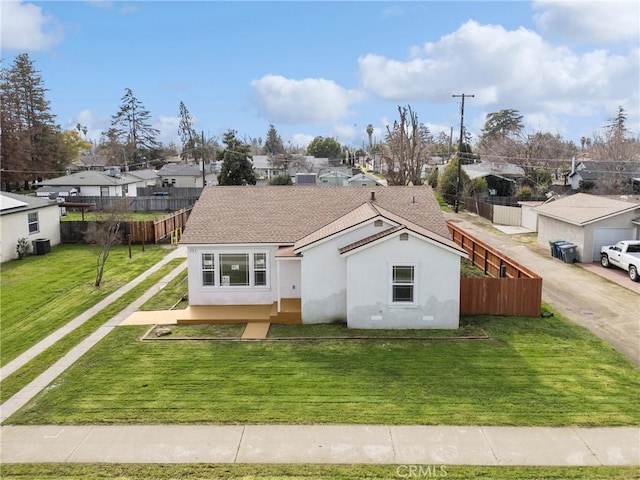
95	124
25	27
591	22
168	127
301	140
311	101
504	69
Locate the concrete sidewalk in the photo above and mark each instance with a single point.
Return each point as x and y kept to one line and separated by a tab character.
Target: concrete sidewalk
20	399
337	444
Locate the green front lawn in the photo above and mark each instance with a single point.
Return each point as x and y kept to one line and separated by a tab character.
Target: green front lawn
28	372
41	293
70	471
533	371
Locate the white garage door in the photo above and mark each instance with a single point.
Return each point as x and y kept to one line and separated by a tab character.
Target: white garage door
610	236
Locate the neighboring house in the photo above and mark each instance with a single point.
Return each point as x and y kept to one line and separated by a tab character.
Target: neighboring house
264	170
183	175
26	217
55	192
142	178
380	258
93	162
334	177
589	222
499	184
594	173
363	179
91	183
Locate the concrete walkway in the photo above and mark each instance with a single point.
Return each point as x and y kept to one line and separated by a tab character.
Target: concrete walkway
337	444
20	399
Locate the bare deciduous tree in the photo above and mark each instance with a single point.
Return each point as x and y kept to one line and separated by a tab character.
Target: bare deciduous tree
105	232
406	151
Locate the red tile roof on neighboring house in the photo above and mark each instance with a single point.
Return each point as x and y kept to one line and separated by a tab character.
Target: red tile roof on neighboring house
284	215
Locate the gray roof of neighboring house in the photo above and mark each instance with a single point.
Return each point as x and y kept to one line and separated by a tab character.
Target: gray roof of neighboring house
283	215
359	177
93	161
86	178
484	169
582	209
334	174
13	202
143	174
590	169
179	170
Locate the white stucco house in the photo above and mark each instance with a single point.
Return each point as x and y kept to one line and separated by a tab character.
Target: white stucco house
589	222
184	175
91	183
27	217
373	257
142	178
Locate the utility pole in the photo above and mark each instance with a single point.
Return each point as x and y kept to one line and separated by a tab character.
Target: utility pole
204	176
460	148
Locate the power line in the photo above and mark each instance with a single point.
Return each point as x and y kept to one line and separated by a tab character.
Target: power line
460	148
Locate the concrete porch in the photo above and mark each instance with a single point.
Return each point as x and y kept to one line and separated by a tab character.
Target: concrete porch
290	313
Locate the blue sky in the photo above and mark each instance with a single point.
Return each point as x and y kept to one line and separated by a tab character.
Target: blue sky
331	68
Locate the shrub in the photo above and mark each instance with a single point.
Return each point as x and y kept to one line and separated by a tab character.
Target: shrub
524	193
23	248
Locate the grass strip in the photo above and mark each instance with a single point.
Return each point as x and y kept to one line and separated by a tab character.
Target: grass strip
23	376
70	471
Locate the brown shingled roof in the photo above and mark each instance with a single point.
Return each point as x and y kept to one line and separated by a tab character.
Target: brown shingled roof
285	214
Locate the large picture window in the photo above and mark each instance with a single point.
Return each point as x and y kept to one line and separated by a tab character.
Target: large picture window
234	269
403	284
32	219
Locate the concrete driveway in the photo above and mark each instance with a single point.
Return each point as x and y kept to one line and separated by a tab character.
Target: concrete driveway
609	310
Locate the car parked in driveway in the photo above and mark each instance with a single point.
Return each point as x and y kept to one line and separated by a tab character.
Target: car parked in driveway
625	255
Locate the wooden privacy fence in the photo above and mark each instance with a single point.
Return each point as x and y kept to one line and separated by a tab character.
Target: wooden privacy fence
150	231
514	290
140	204
171	223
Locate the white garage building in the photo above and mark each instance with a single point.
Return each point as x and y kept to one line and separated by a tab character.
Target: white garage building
589	222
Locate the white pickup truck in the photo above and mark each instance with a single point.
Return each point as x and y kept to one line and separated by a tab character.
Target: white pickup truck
625	254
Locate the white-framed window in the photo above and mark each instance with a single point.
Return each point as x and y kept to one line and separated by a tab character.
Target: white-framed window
235	269
260	269
34	224
208	269
104	191
403	284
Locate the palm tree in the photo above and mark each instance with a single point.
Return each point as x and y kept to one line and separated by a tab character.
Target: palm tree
370	133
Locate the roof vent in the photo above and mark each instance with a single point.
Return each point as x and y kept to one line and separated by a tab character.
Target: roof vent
373	196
